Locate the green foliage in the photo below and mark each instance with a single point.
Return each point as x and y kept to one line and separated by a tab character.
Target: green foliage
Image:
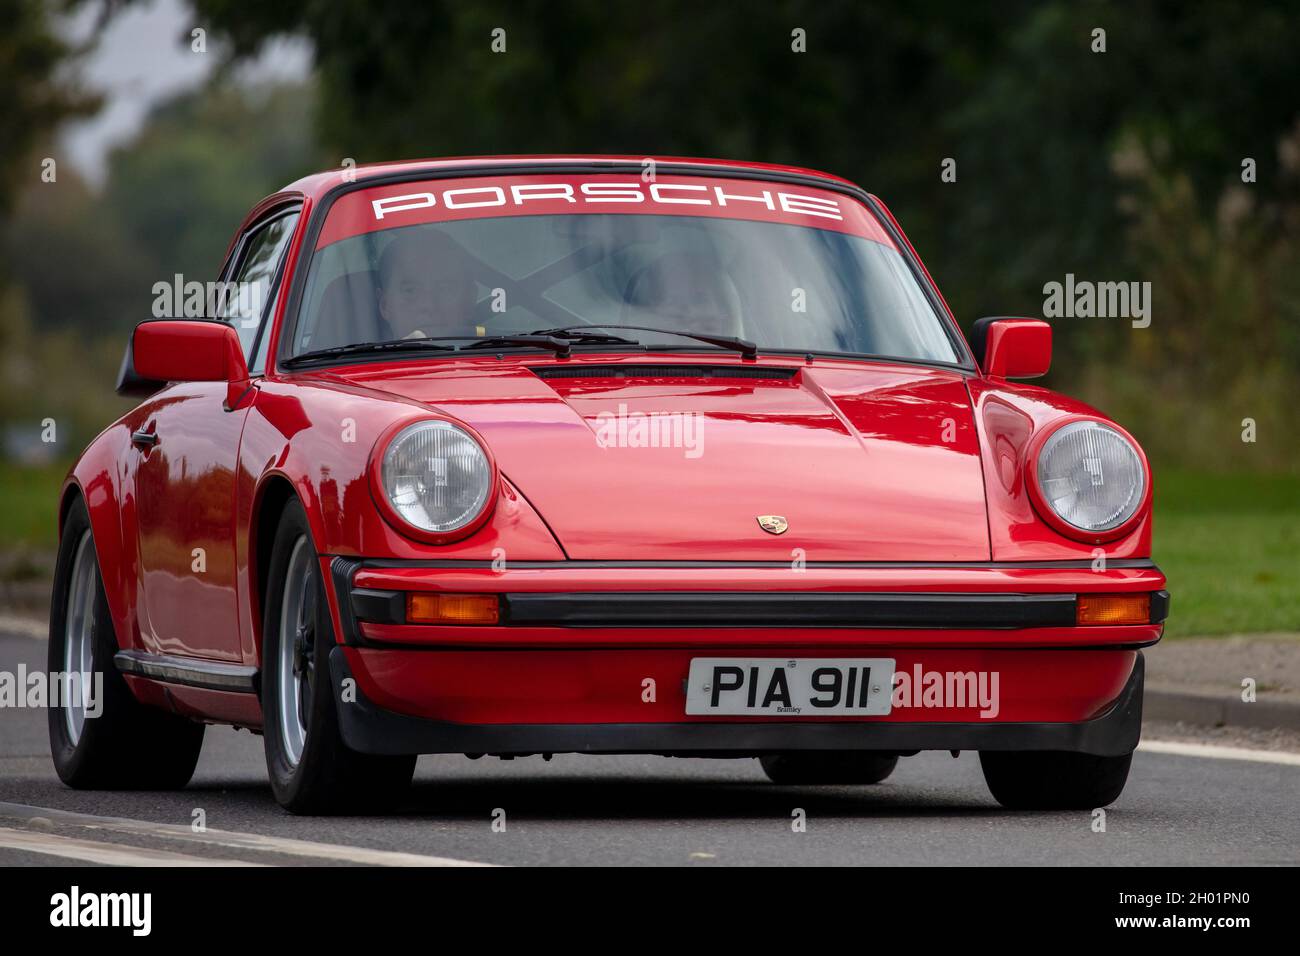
29	522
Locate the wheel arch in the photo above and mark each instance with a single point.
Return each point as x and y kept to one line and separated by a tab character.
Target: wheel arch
94	481
273	496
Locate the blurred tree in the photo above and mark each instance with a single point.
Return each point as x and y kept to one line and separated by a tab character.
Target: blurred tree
181	187
73	263
84	264
38	95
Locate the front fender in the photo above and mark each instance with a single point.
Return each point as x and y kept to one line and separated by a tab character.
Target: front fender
319	437
1008	417
101	478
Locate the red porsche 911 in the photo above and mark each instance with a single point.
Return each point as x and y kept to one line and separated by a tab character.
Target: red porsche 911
601	455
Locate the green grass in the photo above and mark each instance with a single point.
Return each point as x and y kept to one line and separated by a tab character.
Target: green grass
29	506
1230	544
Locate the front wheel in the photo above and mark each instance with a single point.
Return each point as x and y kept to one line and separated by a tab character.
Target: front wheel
101	737
825	768
1053	779
311	769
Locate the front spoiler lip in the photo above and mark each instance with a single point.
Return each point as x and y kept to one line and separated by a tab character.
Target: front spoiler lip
367	728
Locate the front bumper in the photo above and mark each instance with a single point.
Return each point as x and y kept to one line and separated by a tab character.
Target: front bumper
367	728
566	668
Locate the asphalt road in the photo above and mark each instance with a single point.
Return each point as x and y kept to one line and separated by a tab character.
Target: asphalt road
1177	809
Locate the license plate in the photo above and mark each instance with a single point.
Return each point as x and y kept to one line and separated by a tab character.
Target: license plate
790	687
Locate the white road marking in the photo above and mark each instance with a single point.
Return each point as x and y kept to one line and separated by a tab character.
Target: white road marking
230	839
1216	752
110	854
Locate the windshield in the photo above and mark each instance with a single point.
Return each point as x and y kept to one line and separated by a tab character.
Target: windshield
804	271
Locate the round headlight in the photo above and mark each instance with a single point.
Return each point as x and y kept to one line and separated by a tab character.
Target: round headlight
436	476
1091	476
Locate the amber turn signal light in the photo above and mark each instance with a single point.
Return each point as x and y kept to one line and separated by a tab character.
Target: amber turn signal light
452	609
1113	609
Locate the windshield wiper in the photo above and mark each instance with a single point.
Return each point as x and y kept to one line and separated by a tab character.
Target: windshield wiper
559	340
558	346
578	335
744	346
357	348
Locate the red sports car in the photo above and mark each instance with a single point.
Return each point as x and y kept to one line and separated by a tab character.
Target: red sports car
602	455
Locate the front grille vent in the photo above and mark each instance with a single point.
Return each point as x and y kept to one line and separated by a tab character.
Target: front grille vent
664	371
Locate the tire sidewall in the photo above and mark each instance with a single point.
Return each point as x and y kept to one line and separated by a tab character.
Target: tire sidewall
287	780
69	758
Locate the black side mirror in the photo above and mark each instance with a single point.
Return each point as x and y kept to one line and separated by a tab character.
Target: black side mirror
130	384
979	337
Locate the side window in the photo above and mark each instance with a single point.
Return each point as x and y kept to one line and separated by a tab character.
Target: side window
249	302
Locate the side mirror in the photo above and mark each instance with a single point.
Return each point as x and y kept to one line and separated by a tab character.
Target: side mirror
129	383
1011	347
170	350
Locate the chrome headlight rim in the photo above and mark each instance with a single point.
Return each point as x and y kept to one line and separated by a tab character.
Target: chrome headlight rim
399	431
1043	505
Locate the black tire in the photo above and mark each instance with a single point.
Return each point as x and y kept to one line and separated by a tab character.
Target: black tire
129	746
1053	779
828	767
327	777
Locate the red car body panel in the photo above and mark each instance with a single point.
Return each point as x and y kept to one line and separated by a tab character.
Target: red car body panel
895	477
1009	416
568	686
867	475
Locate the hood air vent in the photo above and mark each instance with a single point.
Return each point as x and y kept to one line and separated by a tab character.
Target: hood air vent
663	371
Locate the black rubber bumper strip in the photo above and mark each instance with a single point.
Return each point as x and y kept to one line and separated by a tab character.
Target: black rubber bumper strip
188	671
788	609
1159	606
669	609
370	729
673	609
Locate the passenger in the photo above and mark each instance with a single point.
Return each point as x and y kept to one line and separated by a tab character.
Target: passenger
426	288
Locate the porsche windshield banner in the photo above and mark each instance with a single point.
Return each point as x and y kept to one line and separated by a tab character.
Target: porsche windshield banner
478	197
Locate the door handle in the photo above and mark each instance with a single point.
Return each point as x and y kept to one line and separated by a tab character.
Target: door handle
144	439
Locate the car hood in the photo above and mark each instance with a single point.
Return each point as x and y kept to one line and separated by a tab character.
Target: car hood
864	461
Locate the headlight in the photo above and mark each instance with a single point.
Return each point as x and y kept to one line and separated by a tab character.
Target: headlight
436	476
1091	476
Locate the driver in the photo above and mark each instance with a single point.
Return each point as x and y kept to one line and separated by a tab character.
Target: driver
690	290
426	287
